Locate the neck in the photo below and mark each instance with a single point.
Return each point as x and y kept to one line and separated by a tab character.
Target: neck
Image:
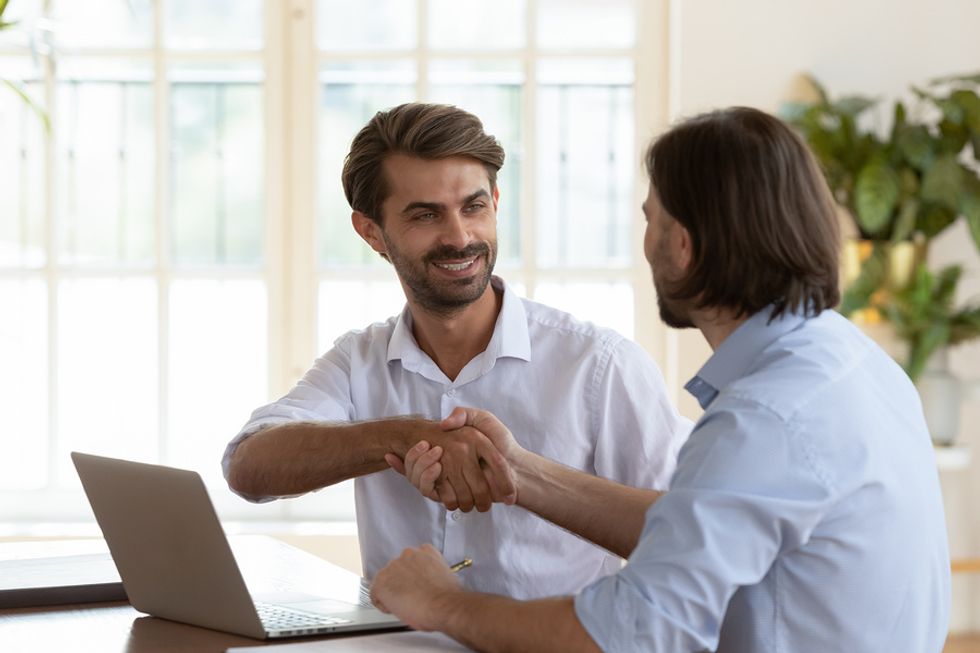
716	324
452	341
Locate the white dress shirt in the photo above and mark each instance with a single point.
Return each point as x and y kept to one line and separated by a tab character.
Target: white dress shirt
805	515
568	390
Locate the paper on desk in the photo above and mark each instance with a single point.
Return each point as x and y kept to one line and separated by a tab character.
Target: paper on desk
410	641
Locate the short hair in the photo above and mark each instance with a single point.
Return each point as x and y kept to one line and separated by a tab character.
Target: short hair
428	131
762	220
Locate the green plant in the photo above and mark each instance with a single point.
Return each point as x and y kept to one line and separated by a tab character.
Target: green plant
924	315
909	182
19	89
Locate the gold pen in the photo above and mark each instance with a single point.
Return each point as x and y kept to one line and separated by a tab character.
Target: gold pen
462	564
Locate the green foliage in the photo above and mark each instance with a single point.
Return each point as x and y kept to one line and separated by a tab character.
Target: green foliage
924	315
19	89
910	183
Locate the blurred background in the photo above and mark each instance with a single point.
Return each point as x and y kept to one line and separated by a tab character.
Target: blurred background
175	246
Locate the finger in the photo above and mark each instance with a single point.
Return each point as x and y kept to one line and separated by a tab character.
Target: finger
411	456
476	482
462	489
499	496
427	481
417	467
446	494
456	419
500	468
395	463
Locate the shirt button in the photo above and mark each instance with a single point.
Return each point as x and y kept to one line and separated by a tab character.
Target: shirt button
451	392
457	515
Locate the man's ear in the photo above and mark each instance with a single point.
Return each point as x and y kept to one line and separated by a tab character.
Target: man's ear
683	246
496	197
370	231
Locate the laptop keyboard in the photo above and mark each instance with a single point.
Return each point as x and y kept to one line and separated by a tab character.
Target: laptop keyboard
276	617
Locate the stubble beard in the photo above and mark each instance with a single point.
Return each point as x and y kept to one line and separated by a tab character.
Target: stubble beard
449	297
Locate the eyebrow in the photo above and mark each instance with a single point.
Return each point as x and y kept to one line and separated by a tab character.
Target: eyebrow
438	206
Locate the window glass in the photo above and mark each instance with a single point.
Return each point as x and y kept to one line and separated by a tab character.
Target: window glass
107	384
346	305
217	170
215	24
102	23
367	24
24	384
218	367
477	24
22	203
586	163
105	164
571	24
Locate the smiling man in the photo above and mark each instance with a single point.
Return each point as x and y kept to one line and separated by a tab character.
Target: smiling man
421	179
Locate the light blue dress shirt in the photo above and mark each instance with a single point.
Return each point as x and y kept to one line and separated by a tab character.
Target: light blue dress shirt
805	514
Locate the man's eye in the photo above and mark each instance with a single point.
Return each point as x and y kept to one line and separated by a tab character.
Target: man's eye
428	215
475	206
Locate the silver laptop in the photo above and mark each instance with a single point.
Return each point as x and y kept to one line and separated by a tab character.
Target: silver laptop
175	561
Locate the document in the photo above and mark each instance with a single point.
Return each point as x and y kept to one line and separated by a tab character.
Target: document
400	642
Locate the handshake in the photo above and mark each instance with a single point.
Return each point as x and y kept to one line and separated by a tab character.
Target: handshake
470	459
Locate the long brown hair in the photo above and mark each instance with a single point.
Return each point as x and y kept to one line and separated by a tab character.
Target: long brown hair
762	220
428	131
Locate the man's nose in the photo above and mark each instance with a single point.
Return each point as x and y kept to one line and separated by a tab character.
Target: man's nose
456	232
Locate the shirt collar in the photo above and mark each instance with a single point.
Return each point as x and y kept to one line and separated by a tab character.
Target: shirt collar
510	333
737	352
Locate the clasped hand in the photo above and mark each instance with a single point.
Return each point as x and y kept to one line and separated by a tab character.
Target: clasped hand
466	466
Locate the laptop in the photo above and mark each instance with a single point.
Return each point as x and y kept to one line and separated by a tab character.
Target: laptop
176	562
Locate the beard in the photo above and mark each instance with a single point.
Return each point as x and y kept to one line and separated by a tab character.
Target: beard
443	296
672	312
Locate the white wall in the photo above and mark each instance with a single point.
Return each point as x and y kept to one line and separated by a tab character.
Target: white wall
752	52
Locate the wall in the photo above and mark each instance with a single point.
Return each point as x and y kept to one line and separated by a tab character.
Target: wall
753	52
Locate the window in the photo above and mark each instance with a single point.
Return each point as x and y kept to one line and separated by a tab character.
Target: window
178	249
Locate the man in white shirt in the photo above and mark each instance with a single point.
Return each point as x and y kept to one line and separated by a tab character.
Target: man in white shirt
421	180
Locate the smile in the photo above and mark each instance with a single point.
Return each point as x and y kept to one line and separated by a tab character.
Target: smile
456	267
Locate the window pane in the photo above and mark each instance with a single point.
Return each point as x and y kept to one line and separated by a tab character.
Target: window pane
217	166
103	23
586	164
606	304
107	370
218	367
350	94
215	24
586	23
493	91
346	305
24	384
21	160
105	164
477	24
367	24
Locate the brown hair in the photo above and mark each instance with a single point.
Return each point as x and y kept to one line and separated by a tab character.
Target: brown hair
762	221
429	131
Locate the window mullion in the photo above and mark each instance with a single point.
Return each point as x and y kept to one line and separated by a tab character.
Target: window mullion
529	162
162	186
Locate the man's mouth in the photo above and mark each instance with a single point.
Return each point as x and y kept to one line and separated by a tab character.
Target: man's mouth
456	267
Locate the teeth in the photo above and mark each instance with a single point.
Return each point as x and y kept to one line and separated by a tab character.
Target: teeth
456	266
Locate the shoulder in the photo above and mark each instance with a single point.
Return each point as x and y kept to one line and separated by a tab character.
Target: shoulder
547	322
368	337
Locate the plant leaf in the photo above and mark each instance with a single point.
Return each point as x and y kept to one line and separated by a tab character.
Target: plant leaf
934	219
854	105
970	208
875	195
921	348
905	222
41	113
915	143
943	181
871	277
969	78
969	102
965	325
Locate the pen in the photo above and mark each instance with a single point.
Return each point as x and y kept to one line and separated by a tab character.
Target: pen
462	564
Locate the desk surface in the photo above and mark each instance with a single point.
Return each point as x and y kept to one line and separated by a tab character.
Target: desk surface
117	627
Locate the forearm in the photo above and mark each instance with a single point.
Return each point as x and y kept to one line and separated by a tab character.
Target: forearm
602	511
491	623
298	457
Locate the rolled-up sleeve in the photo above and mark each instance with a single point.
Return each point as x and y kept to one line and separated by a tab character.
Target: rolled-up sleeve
744	491
322	395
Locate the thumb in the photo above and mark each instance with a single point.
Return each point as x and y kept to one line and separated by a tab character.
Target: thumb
395	463
456	419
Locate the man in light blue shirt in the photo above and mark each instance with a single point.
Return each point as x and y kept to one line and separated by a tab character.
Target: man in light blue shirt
805	513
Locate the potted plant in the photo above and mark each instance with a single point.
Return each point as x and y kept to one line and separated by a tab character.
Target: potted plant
902	187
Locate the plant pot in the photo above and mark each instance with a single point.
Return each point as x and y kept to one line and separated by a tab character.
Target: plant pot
941	393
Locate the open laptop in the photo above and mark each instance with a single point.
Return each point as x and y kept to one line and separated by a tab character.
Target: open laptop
175	561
